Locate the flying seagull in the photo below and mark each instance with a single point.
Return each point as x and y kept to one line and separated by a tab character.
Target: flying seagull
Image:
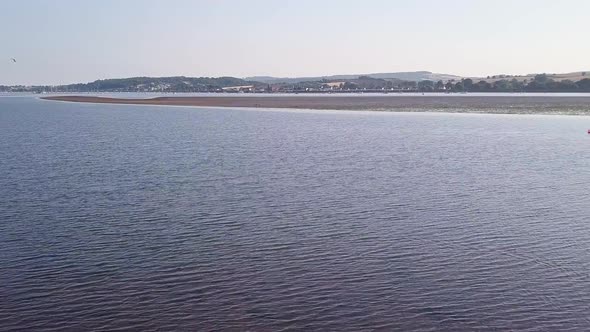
13	59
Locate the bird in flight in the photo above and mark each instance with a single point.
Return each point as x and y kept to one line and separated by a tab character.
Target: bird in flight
13	59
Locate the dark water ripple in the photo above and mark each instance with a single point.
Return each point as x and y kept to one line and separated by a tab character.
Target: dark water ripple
147	218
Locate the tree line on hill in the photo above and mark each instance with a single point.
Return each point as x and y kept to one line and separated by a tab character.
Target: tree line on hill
540	83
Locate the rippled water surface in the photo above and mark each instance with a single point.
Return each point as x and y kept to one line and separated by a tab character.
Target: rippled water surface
162	218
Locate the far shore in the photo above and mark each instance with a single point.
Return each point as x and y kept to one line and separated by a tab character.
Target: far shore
475	104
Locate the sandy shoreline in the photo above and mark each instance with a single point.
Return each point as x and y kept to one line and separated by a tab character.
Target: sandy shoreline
492	104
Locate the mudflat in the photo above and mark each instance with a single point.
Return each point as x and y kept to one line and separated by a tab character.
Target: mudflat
447	103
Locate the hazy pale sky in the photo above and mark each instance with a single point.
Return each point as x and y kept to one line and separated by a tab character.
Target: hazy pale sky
67	41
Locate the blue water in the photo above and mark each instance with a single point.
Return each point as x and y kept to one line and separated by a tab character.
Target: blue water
169	218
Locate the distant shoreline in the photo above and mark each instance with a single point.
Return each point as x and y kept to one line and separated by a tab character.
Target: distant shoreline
467	104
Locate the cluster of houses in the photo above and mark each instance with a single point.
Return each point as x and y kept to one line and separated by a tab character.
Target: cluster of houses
320	87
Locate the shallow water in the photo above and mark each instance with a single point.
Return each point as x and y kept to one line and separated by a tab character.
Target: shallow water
146	218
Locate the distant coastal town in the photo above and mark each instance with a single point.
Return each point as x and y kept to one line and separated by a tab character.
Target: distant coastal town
372	83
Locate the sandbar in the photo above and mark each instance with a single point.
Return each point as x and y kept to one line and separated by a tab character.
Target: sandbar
471	104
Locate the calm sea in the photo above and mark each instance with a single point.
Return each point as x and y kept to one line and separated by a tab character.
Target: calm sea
166	218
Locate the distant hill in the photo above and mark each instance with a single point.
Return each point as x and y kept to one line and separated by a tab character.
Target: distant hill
377	82
415	76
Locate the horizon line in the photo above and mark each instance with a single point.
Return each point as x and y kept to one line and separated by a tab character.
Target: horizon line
298	77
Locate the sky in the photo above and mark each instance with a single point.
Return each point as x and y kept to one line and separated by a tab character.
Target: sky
71	41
